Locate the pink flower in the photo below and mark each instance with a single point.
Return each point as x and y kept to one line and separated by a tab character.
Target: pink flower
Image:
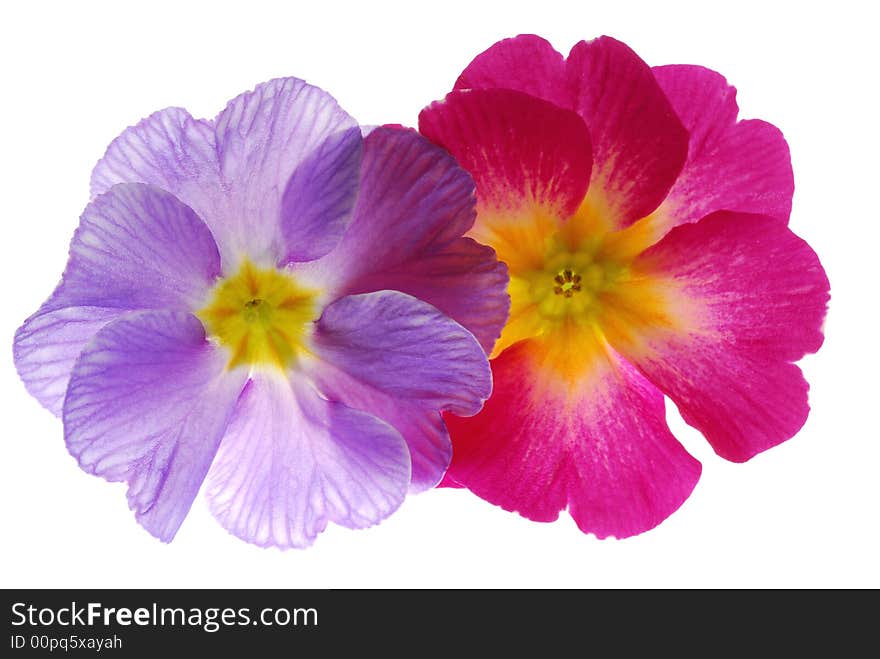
646	234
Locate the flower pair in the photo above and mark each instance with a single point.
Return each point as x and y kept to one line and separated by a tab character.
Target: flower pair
299	312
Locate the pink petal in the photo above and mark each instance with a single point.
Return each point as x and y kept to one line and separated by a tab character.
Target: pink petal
148	401
749	297
292	461
639	145
600	448
742	166
522	151
447	481
703	101
526	63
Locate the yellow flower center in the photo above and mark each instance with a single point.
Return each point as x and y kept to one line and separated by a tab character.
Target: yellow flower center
572	284
260	315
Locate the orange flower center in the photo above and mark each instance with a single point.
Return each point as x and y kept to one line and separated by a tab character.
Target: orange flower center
572	283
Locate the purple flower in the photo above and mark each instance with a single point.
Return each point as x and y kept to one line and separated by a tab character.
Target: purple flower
264	301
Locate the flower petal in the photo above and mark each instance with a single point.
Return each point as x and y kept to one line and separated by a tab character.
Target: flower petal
600	447
464	280
168	149
639	145
414	205
413	197
530	161
519	149
405	348
747	298
137	247
744	166
148	402
403	361
285	140
289	157
526	63
319	198
46	347
292	461
702	99
421	426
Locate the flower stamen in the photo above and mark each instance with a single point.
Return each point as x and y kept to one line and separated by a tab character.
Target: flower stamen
568	283
260	315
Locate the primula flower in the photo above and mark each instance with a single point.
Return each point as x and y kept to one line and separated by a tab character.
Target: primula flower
240	304
645	230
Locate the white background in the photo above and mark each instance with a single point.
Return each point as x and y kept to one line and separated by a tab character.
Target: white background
803	514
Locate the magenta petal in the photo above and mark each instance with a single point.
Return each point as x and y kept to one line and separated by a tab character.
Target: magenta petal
753	299
285	128
639	145
414	204
148	402
602	448
525	63
631	473
292	461
405	348
136	247
703	101
744	167
522	151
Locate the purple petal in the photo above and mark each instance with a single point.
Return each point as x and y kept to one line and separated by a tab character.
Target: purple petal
414	205
148	402
319	198
274	176
47	345
405	348
464	280
137	247
292	461
430	447
168	149
289	158
403	361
